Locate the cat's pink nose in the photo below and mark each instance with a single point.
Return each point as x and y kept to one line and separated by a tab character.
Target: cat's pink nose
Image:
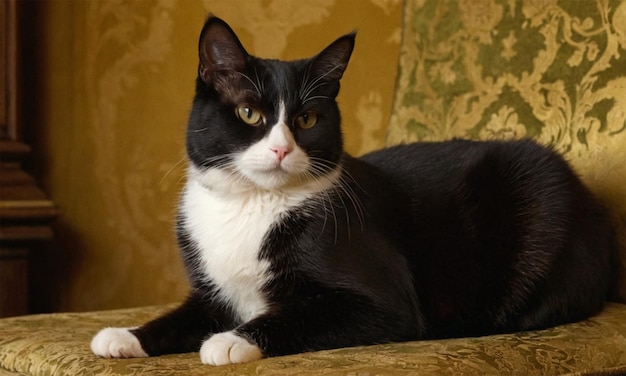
281	151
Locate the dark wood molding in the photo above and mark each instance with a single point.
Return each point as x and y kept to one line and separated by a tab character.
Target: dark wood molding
25	211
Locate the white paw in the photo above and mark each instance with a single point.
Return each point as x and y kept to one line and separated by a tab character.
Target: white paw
117	343
227	348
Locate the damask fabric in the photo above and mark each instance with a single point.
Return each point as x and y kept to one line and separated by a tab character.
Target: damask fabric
58	344
547	69
551	70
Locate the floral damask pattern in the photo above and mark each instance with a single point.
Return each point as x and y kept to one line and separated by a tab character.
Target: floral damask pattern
58	344
122	39
560	66
270	37
550	70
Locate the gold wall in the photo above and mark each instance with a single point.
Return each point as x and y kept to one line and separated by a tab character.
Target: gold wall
113	82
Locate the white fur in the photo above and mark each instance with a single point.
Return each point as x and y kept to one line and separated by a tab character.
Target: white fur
228	232
117	343
227	348
229	210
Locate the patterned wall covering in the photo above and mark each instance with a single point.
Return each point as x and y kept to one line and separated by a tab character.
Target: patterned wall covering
494	69
116	86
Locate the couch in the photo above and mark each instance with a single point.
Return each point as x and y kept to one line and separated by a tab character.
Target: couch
480	69
58	344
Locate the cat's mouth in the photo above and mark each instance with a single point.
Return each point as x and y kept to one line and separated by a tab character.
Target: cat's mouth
279	178
269	166
271	177
238	180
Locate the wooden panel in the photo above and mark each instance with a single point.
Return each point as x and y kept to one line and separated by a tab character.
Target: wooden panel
13	282
8	70
25	211
3	73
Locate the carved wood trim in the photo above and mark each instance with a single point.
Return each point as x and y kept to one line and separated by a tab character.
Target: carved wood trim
22	203
25	211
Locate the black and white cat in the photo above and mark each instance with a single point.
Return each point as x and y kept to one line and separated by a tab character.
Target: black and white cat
291	245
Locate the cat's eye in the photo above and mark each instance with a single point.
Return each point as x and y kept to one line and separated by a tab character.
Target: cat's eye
249	115
306	120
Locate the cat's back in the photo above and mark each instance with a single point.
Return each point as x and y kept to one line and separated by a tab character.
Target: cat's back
494	187
444	162
497	226
513	172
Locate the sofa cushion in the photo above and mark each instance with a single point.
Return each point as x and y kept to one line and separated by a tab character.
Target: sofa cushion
58	344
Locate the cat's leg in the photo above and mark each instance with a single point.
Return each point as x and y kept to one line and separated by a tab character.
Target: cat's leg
326	321
178	331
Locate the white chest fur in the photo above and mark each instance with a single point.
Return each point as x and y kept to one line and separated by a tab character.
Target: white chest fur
229	229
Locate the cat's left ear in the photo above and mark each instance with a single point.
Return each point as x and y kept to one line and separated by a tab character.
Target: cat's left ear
219	49
331	63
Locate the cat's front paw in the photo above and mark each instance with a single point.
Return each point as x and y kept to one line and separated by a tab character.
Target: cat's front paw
117	343
227	348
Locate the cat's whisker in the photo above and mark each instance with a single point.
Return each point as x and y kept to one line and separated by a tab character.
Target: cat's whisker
317	172
169	171
348	180
256	87
219	160
315	97
341	189
305	81
259	81
224	163
310	91
200	130
312	86
332	209
346	210
345	183
356	203
326	201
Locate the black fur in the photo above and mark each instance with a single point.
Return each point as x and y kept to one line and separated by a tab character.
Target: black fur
427	240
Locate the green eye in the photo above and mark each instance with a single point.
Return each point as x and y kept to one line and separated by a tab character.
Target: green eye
249	115
307	120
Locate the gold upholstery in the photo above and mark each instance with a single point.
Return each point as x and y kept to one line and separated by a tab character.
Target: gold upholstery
58	344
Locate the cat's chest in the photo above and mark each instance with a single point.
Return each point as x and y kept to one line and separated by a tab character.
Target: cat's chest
229	231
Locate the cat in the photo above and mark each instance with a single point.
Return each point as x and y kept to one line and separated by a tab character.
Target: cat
292	245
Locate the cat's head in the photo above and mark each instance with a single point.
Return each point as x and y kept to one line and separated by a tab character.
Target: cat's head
264	124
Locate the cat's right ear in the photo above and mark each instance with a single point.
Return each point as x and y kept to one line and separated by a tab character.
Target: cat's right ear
331	63
219	49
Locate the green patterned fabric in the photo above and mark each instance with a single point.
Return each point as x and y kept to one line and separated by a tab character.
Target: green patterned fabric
484	69
58	344
551	70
